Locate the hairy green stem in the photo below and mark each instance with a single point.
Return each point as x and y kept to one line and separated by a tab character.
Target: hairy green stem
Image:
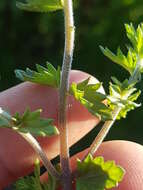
103	132
35	145
64	86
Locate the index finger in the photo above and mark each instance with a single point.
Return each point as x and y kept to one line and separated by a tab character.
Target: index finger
16	156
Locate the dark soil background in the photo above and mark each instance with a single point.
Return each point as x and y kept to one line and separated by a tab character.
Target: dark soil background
29	38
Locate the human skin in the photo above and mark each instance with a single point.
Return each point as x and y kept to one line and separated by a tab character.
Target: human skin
17	157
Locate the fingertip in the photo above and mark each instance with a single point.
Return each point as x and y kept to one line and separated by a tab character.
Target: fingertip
130	156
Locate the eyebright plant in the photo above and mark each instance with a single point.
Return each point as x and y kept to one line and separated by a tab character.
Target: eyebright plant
92	172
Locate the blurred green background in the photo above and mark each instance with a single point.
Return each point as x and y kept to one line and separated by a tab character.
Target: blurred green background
29	38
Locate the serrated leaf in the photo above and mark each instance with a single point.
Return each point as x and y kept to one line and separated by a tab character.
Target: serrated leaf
78	94
120	58
30	182
100	110
97	96
34	182
116	81
131	33
45	76
96	174
27	183
89	96
90	92
122	95
81	86
133	61
51	68
40	5
32	122
136	37
134	96
114	90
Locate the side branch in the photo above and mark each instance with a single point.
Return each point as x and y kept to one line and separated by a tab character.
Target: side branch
35	145
103	133
108	124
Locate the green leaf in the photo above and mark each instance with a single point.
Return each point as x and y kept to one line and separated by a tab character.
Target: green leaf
90	92
128	107
134	96
82	85
27	183
136	37
122	95
78	94
96	174
30	182
32	122
131	33
34	183
45	76
40	5
133	61
90	97
134	57
127	63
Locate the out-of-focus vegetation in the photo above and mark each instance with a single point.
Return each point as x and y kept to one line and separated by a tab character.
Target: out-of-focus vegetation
29	38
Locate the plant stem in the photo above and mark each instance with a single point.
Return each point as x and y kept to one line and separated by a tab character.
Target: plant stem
103	132
108	124
64	86
136	76
35	145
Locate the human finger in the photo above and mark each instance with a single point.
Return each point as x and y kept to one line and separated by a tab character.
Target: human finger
127	154
16	156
